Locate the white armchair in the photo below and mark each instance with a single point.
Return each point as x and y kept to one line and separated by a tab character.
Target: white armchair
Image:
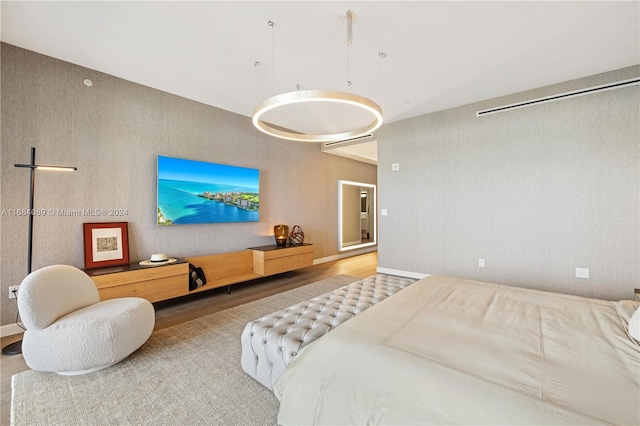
69	330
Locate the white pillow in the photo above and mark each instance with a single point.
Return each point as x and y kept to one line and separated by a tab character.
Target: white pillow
634	325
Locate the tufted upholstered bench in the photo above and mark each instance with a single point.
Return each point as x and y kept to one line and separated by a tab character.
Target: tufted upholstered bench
271	342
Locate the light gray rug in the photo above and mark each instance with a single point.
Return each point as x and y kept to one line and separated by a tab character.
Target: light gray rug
188	374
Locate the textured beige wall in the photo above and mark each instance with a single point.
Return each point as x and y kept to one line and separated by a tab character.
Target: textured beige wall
113	132
536	191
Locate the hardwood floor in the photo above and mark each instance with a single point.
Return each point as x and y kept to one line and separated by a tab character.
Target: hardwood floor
183	309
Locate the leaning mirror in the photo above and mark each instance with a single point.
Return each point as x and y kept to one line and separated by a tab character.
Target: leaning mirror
356	215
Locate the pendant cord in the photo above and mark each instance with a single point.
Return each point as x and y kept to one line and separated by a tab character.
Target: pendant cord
348	41
381	56
257	65
272	25
379	73
348	71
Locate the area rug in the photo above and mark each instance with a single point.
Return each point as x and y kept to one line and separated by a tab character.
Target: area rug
188	374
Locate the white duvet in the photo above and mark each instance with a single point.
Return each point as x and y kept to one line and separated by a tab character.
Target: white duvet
450	351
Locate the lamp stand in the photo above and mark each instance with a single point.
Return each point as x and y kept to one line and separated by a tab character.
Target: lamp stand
15	348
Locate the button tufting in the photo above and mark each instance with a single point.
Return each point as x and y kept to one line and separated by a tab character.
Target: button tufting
303	323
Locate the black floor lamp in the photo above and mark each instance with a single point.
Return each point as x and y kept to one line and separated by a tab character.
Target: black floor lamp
16	347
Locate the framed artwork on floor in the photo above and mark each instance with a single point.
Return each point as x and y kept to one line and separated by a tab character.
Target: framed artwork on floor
105	244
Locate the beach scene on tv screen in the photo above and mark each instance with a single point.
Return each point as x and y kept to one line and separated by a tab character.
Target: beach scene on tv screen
192	191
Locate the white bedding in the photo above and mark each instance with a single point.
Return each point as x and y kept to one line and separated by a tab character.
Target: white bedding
450	351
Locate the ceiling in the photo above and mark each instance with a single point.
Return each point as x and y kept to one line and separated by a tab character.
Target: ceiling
439	54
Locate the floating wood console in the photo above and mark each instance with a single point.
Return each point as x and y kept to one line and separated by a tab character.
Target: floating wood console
156	283
270	260
225	268
153	283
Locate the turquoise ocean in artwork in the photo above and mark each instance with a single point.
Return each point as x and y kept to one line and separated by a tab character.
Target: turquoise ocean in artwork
179	202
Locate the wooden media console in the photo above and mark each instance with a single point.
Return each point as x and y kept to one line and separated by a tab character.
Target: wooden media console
156	283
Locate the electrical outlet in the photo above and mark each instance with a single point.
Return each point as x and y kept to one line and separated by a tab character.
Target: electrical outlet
481	263
13	291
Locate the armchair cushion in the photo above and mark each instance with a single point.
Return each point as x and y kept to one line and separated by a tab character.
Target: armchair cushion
52	292
99	335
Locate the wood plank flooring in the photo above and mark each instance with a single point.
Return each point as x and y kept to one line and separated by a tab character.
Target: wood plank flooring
183	309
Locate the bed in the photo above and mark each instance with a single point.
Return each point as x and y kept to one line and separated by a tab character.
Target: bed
452	351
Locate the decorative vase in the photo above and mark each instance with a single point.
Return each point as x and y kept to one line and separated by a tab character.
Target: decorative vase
281	233
297	236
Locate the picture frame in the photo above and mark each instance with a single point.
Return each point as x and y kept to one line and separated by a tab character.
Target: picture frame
106	244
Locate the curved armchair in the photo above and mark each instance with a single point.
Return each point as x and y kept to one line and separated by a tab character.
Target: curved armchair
69	330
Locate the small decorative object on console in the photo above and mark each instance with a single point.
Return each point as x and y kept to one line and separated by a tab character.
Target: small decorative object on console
196	277
297	236
281	232
158	259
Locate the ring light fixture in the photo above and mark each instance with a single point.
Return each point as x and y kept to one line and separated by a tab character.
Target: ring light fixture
328	96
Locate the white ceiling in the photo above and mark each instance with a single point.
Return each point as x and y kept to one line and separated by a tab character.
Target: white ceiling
438	54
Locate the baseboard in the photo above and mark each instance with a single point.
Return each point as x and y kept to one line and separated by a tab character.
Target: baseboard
344	255
10	330
400	273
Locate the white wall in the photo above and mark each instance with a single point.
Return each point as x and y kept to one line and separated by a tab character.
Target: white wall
536	191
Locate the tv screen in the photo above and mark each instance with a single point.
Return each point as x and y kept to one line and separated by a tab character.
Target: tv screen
198	192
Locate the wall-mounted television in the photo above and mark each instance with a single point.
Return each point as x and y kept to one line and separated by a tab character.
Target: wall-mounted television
192	191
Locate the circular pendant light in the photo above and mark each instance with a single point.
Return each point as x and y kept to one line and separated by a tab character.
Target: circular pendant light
325	96
359	109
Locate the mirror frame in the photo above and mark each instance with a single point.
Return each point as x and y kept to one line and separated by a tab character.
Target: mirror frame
373	211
